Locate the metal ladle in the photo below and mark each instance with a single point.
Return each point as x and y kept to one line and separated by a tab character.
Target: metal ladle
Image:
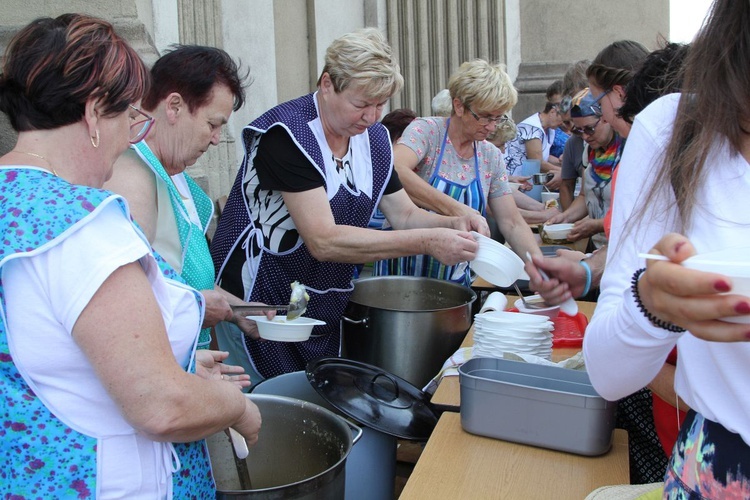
296	308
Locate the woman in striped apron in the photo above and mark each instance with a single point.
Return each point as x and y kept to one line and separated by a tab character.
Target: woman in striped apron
447	166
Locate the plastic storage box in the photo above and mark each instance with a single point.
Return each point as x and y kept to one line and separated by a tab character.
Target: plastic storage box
533	404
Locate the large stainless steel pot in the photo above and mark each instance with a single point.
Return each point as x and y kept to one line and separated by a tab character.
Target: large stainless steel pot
407	326
371	465
300	454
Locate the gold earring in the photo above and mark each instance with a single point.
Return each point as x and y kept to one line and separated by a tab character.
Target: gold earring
95	144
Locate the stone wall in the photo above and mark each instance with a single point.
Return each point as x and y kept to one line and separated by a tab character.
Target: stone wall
282	42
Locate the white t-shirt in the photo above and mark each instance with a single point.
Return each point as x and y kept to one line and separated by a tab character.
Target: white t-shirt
623	350
529	129
45	295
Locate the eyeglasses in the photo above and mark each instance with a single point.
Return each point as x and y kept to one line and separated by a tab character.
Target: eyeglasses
486	120
141	124
601	96
588	129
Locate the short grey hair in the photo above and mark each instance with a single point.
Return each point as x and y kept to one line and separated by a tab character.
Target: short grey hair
363	59
442	104
483	86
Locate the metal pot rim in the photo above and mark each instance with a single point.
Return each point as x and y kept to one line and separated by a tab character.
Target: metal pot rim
471	295
315	409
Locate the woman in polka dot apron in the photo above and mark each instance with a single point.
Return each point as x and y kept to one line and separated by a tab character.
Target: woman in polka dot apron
447	165
315	170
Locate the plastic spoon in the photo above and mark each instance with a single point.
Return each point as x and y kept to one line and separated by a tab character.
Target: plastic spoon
653	256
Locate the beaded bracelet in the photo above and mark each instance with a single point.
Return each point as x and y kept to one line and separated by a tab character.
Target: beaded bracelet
587	287
653	319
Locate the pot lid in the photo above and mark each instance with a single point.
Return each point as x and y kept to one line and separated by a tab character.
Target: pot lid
373	397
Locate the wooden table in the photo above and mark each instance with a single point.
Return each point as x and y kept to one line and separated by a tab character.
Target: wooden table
459	465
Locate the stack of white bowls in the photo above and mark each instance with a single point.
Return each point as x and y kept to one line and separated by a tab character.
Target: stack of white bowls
497	263
498	332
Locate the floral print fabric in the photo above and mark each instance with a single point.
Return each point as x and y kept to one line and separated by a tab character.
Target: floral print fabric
707	462
40	456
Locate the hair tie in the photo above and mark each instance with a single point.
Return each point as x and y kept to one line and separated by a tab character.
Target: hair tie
670	327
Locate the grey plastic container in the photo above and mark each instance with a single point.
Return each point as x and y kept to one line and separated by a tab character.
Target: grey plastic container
543	406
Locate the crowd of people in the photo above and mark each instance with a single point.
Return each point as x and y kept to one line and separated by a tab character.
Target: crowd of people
102	225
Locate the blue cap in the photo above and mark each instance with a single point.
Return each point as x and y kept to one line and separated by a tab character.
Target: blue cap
584	105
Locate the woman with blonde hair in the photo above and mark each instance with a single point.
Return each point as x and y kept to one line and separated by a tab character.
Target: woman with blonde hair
315	170
97	343
447	165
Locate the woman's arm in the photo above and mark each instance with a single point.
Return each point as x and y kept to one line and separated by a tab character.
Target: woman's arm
417	231
567	188
619	330
663	386
585	228
534	152
513	227
576	211
135	364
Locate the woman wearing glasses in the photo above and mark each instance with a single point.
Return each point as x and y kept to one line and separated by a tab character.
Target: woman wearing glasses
194	90
446	165
97	343
601	156
609	75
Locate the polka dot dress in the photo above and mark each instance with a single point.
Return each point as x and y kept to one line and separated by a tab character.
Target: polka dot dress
328	283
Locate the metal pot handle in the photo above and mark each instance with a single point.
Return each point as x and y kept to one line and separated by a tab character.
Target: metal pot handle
356	429
362	321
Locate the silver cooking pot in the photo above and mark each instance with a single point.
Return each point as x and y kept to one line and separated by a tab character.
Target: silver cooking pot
406	325
300	454
371	466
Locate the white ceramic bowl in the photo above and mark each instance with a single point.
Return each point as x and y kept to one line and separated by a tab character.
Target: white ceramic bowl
732	263
497	263
279	329
551	312
558	231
